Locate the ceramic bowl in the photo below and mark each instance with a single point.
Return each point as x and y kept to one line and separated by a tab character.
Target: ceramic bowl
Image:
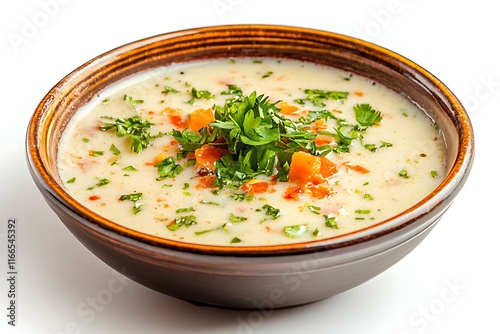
240	277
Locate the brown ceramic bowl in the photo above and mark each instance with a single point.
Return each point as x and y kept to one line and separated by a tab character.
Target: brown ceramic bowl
264	277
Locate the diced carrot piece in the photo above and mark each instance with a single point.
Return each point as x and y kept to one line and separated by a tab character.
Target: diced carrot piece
328	167
288	109
255	186
207	155
175	117
320	191
200	118
358	168
205	182
319	125
293	193
322	140
358	93
304	168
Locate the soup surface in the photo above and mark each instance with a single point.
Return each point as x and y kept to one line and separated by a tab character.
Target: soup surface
250	152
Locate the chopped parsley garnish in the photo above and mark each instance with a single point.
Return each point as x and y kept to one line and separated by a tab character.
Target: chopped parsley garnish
267	75
368	197
181	210
169	89
272	211
233	90
134	197
134	103
182	221
135	128
168	168
366	115
114	150
294	231
100	183
404	174
318	96
236	219
200	94
72	180
313	208
331	222
235	240
434	174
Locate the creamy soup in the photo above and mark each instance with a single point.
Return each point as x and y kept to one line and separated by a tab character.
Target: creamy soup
250	152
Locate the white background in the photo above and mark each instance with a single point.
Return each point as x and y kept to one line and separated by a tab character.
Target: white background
449	284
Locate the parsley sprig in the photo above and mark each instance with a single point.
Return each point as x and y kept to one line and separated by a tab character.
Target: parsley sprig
261	141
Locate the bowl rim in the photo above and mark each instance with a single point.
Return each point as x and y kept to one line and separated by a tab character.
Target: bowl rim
449	186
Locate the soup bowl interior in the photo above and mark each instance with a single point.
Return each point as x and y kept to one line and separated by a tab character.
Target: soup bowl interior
253	276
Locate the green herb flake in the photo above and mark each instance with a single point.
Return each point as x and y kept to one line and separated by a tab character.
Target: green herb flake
96	153
313	208
235	240
135	128
371	147
134	103
366	115
272	211
209	202
236	219
136	208
182	210
168	168
134	197
200	94
294	231
267	74
318	97
331	222
362	211
130	168
368	197
100	183
203	232
72	180
168	90
85	140
404	174
114	150
182	221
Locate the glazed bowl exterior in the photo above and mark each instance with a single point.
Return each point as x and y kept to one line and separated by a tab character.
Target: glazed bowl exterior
252	277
